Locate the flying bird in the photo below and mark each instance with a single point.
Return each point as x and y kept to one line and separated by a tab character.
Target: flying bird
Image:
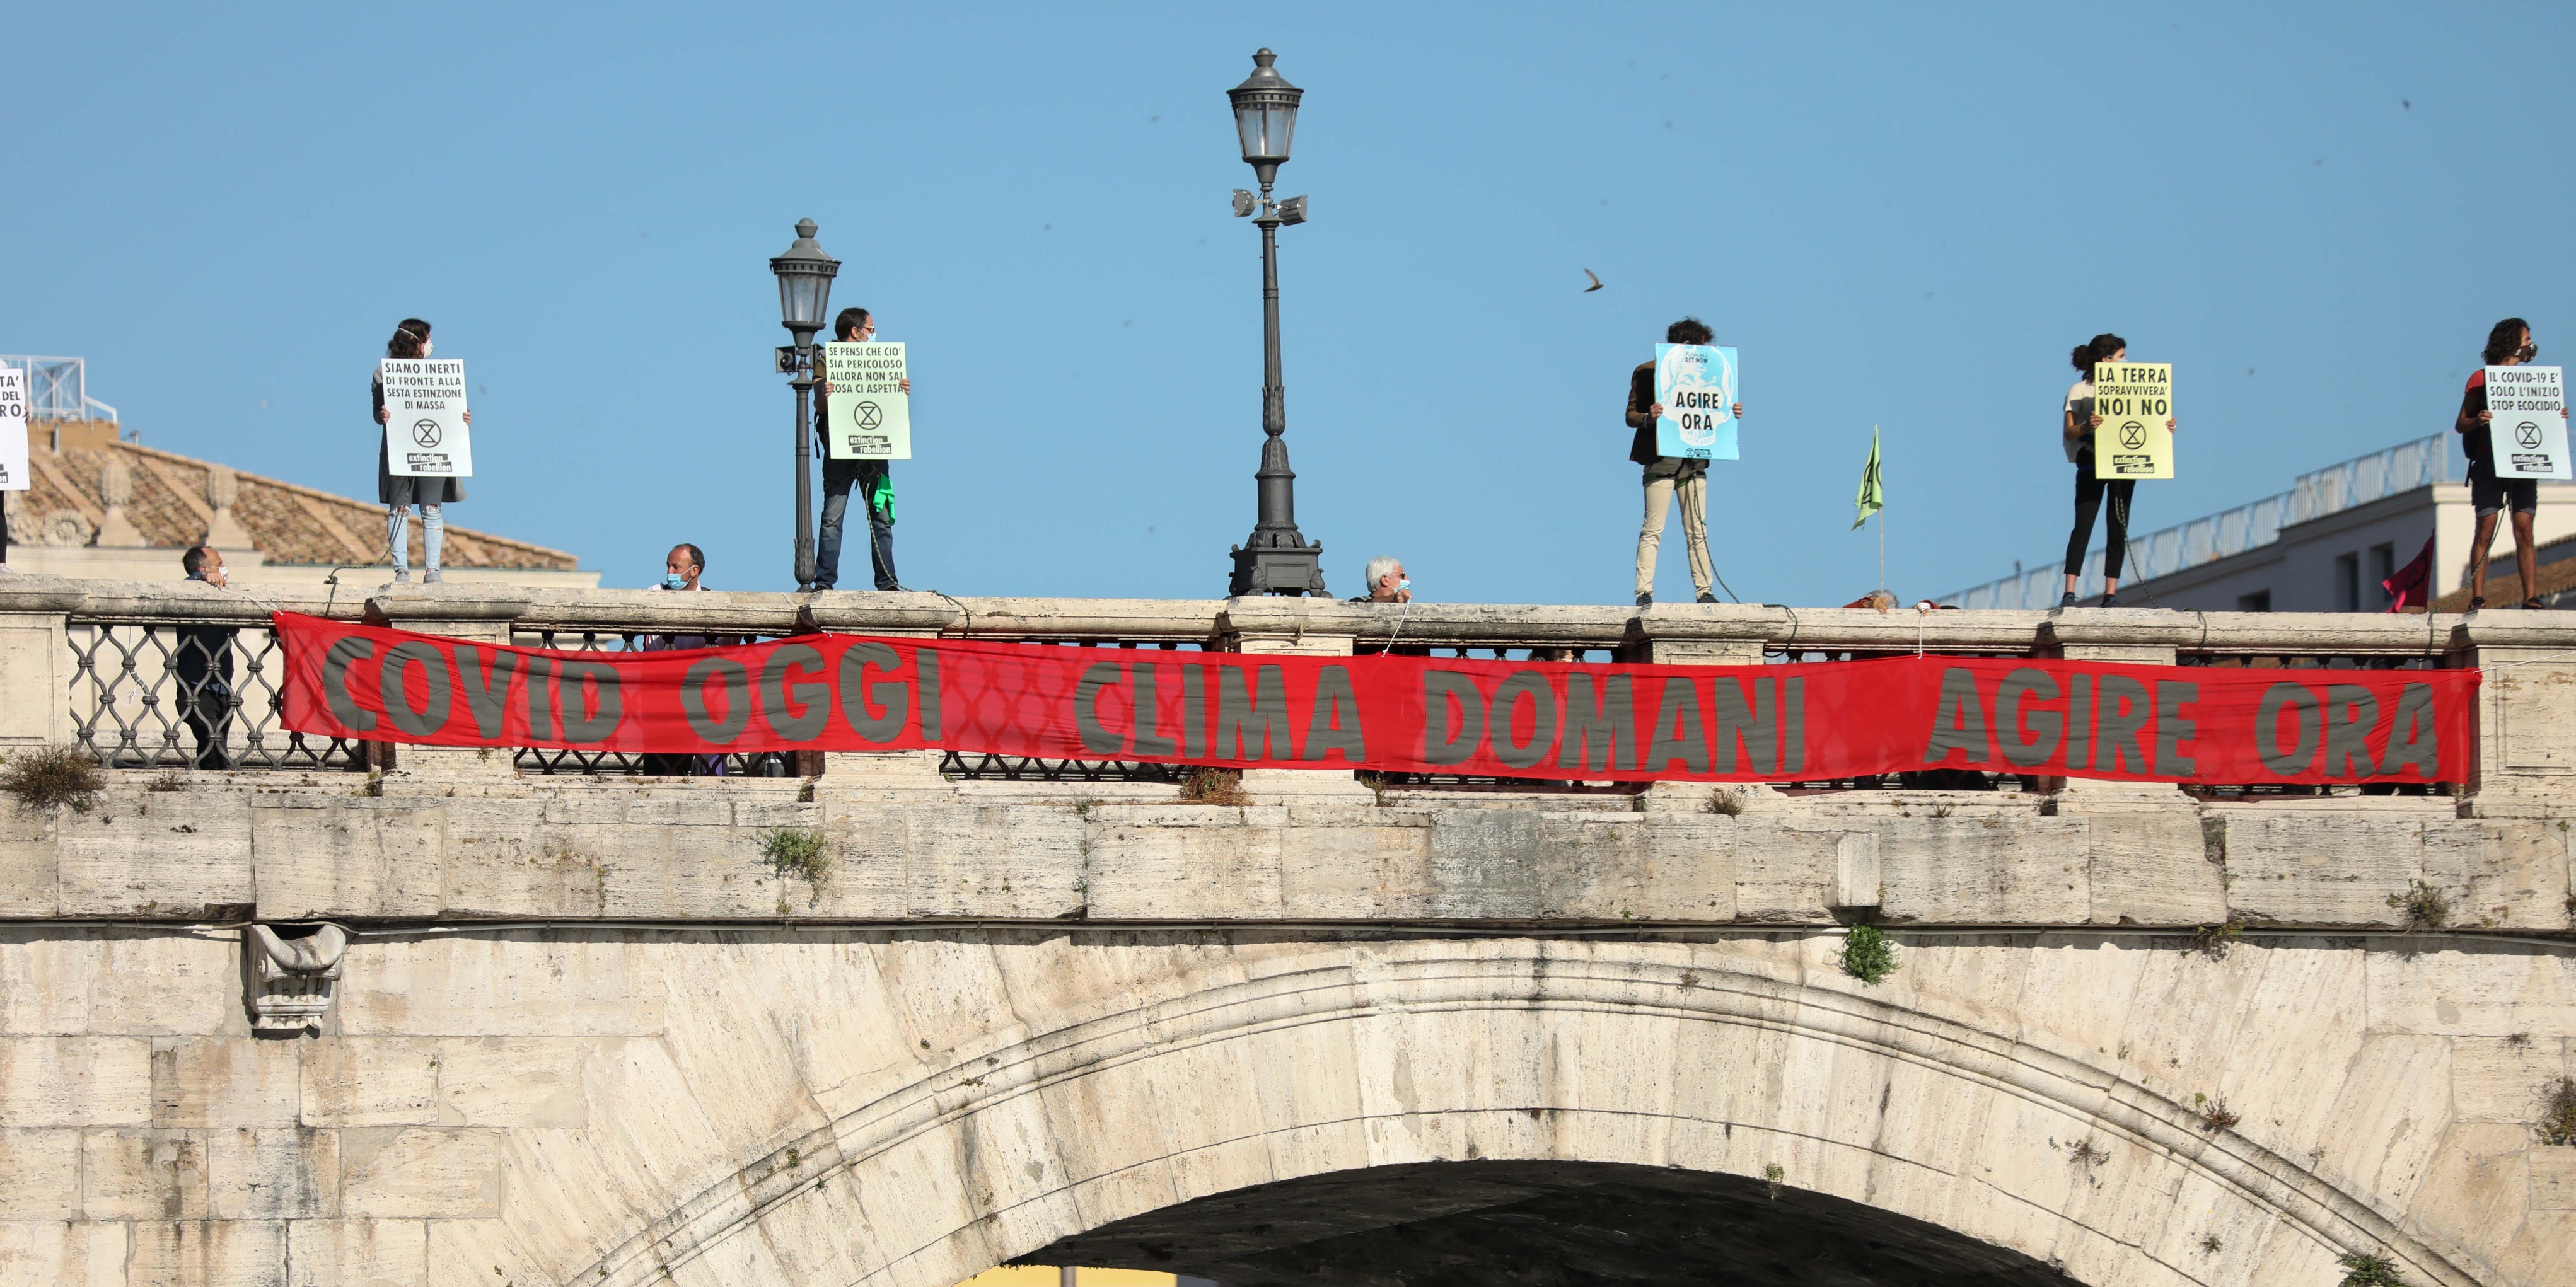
1596	281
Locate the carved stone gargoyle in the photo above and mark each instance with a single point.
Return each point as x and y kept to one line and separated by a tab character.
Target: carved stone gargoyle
291	971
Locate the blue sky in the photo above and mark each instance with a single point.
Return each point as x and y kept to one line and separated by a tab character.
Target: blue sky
1902	216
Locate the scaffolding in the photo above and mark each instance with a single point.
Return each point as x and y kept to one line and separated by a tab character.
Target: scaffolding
58	389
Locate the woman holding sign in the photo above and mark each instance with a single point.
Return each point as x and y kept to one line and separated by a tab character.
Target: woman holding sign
2508	344
2080	420
398	493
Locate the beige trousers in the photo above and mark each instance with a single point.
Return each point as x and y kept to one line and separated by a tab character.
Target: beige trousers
1664	478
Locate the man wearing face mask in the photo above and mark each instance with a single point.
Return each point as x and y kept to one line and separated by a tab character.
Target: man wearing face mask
203	665
871	480
681	569
1386	582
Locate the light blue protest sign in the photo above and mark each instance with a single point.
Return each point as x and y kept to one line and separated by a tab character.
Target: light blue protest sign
1696	385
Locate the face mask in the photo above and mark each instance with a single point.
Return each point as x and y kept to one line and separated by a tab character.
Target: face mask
675	582
1405	585
2530	351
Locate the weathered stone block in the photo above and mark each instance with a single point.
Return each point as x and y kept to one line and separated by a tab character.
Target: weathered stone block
2314	867
30	863
512	983
183	860
1213	873
225	1081
1356	873
511	1081
144	1175
58	1254
1984	871
370	1081
957	860
2471	989
348	856
272	1174
357	1253
40	1174
477	1253
208	1253
419	1171
75	1081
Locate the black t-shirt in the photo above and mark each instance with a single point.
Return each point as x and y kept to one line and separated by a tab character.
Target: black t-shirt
2475	442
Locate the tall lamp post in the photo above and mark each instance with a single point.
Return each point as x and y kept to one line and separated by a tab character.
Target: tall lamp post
1277	560
804	293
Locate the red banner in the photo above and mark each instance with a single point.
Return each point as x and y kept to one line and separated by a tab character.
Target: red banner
1520	719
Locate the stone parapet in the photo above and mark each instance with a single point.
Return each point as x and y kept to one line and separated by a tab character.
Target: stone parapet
906	845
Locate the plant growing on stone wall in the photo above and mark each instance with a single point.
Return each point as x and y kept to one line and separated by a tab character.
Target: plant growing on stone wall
2558	1113
170	781
1772	1175
2424	906
1867	955
2213	1113
2085	1156
798	853
52	778
1208	784
2212	941
1725	801
2362	1269
2210	1245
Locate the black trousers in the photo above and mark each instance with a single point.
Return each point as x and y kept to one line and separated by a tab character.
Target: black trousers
2089	492
209	716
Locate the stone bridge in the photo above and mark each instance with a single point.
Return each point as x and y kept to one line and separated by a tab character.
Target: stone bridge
357	1014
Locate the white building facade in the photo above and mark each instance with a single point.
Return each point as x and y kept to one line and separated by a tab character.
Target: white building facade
2325	545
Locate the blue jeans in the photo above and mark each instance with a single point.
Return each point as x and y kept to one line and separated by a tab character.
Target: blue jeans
840	478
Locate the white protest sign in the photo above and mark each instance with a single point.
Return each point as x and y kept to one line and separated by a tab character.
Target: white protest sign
2529	431
2134	400
869	416
425	419
13	431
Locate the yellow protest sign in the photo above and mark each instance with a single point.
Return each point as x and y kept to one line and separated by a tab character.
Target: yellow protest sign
2134	399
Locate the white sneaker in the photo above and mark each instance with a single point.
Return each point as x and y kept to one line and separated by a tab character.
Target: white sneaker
431	577
402	575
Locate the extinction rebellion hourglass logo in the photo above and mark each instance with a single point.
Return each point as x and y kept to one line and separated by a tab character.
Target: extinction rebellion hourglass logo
424	433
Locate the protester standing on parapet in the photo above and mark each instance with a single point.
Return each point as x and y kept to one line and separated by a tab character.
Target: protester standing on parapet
2508	344
1670	478
873	480
398	493
2080	420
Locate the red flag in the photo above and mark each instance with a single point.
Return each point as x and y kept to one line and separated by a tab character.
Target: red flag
2413	582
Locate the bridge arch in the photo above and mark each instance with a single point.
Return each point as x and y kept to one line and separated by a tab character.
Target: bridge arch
1243	1084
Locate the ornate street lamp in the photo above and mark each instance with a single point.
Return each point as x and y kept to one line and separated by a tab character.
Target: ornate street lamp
804	294
1277	560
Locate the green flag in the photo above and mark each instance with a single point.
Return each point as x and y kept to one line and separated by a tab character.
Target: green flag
1872	496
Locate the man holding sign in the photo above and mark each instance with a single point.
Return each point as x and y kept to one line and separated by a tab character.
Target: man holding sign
865	421
2529	405
1684	409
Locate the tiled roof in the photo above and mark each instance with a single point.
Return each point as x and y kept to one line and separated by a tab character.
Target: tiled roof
2556	575
286	523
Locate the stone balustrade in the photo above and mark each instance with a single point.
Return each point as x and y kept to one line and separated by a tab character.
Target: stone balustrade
438	833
